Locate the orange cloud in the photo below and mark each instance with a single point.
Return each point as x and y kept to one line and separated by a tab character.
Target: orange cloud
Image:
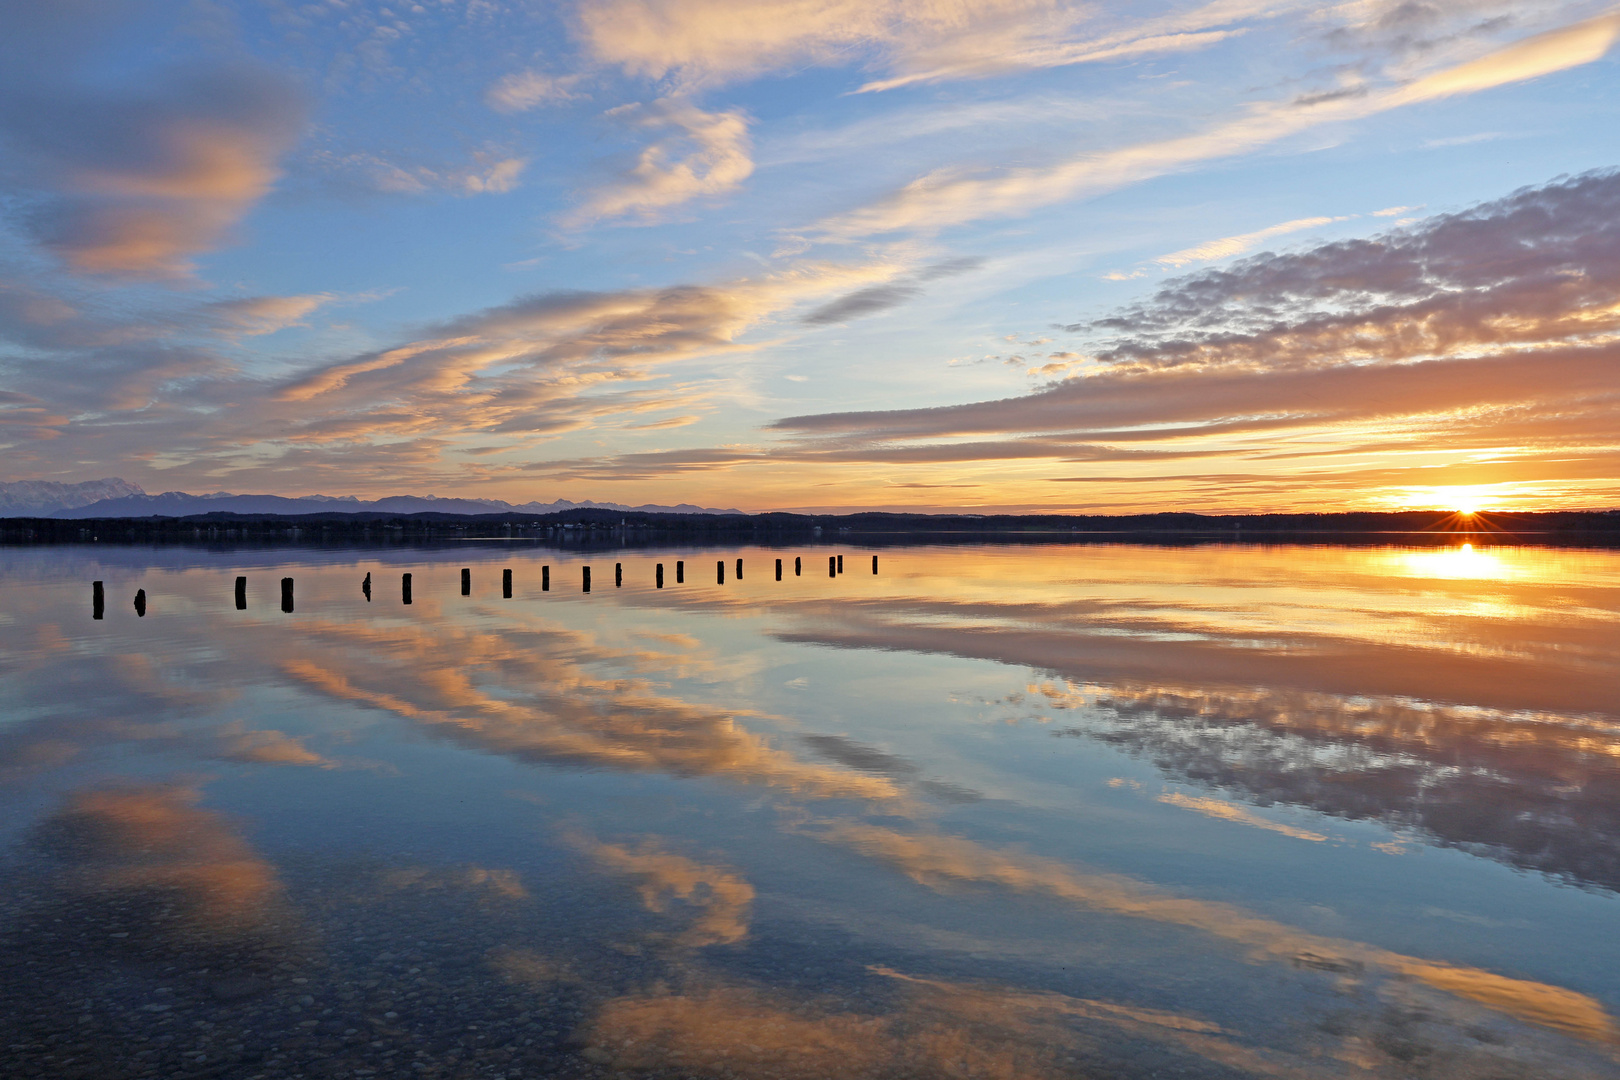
266	748
935	860
957	1027
142	180
705	153
720	898
1556	50
552	707
128	844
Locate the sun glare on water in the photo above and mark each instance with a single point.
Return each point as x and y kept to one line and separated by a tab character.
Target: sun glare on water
1457	563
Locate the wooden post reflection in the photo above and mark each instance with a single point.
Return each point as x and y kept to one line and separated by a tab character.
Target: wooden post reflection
98	600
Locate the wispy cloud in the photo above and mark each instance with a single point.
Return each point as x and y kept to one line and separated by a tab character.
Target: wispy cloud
1388	362
488	173
504	378
1228	246
954	196
712	41
709	42
700	154
875	298
524	90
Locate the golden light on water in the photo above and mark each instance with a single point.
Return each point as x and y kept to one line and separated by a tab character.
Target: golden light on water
1462	562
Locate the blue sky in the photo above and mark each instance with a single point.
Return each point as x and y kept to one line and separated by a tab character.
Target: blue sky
1019	254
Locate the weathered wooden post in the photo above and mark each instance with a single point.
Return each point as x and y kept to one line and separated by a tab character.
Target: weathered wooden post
680	571
739	569
832	566
506	584
365	587
287	594
874	564
466	581
241	593
720	572
618	575
587	579
405	588
545	579
840	564
98	600
778	569
796	567
140	603
658	576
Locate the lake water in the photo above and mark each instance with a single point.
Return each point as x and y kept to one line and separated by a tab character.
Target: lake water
1039	811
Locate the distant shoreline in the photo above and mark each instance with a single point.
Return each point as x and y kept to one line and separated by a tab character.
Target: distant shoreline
591	527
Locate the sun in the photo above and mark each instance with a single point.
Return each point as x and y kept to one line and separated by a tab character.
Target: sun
1463	501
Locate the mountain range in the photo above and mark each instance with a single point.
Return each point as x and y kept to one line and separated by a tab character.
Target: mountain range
116	498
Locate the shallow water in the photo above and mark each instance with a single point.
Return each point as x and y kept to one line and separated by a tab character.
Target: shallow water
1099	810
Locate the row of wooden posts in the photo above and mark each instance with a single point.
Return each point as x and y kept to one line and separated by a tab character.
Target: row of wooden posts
835	566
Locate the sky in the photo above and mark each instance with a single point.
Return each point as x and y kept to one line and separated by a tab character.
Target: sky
991	255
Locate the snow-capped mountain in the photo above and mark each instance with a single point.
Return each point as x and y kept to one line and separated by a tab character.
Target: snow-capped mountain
42	498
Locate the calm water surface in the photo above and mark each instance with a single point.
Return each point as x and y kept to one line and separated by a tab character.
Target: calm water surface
1088	811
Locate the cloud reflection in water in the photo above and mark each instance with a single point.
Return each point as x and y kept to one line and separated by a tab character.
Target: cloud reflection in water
1471	710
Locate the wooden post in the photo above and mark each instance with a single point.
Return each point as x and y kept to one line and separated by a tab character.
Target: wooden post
680	571
545	579
658	576
840	564
874	564
618	575
365	586
140	603
796	567
287	594
466	581
405	588
720	572
241	592
587	579
778	569
506	584
98	600
832	566
739	569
